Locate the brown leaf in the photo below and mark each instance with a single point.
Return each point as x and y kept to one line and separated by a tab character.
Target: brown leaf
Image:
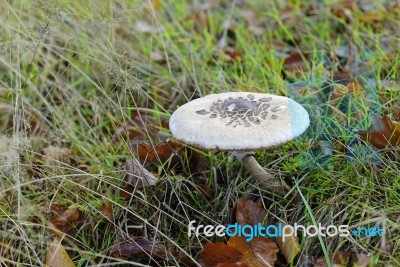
65	218
160	153
338	259
236	264
215	253
56	255
295	63
199	19
249	212
135	246
173	151
383	132
344	9
107	210
353	88
259	252
139	127
290	247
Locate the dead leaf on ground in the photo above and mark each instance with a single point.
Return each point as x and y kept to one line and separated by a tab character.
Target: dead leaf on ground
383	132
338	259
106	210
219	253
290	247
199	19
170	151
296	63
259	252
351	88
344	10
135	247
139	127
65	218
57	256
249	212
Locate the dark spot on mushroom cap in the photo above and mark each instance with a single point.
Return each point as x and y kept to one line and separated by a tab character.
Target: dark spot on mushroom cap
265	99
202	112
275	109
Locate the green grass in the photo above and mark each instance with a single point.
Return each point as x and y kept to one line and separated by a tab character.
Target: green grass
72	72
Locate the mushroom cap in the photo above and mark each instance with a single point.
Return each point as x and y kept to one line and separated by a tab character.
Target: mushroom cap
239	121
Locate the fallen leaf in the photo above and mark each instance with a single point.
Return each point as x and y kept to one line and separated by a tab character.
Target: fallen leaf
170	151
56	255
134	247
295	63
65	218
161	153
259	252
383	132
290	247
353	88
199	19
139	127
249	212
106	210
216	253
344	10
338	259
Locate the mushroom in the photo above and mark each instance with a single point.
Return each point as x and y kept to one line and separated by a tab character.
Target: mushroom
241	122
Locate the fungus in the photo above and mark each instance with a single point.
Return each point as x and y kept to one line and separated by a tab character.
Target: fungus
241	122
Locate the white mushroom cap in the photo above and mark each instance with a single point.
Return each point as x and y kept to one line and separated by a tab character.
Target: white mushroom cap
239	121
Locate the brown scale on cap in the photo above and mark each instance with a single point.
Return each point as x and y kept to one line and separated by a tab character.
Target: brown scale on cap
241	111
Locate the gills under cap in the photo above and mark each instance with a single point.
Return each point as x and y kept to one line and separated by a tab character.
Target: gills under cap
239	121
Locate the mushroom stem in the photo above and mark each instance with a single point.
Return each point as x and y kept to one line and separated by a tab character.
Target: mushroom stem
266	180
